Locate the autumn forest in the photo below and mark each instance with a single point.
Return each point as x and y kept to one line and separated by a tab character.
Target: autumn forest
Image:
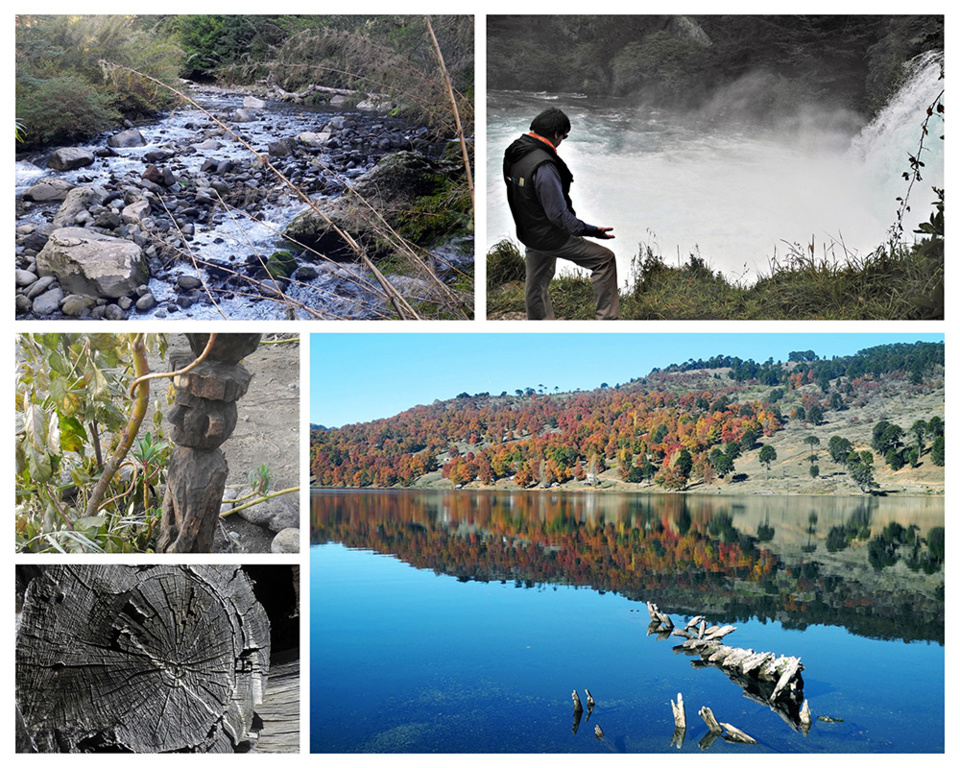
689	424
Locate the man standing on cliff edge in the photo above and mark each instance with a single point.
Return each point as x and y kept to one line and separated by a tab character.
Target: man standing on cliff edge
538	190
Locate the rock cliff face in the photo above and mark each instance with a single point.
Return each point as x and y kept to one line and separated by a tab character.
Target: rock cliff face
680	61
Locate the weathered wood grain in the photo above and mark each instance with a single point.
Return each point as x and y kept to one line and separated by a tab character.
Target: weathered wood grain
280	711
141	659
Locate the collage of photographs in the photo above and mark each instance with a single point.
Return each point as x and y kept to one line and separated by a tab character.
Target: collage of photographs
295	472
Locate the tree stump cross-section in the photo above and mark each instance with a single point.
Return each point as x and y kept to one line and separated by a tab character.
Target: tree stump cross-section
141	659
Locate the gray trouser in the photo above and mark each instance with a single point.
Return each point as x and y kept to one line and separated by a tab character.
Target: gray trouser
601	262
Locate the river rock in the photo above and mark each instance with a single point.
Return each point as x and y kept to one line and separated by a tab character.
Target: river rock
315	138
48	190
252	102
128	138
243	116
286	542
188	282
40	286
391	185
136	212
152	174
70	158
24	278
49	302
282	148
93	264
146	302
75	205
75	304
158	155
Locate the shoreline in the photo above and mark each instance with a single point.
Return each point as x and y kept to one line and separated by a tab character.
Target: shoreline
897	492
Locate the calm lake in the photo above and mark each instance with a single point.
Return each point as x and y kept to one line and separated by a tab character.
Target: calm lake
458	621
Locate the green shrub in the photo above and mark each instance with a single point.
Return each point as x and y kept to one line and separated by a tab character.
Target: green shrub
63	109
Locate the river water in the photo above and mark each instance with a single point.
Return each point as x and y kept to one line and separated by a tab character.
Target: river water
734	193
236	236
458	621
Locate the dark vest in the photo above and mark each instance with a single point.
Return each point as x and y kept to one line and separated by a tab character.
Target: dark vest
534	229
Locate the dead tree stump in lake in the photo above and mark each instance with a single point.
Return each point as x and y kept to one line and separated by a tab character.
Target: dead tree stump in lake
140	659
203	417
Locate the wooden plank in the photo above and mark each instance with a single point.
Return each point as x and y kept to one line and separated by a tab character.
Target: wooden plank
280	711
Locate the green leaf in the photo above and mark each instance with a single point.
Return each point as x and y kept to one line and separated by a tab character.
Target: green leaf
73	437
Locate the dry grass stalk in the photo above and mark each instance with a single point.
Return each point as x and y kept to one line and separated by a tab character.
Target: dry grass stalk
456	112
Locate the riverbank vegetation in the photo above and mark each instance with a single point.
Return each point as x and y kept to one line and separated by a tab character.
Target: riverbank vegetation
701	424
63	94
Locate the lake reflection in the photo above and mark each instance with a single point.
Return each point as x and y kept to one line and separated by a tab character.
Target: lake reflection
460	621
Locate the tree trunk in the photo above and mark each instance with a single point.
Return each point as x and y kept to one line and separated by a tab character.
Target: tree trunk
141	659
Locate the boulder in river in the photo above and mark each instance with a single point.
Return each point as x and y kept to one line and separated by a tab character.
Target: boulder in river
70	158
48	190
76	203
93	264
128	138
392	185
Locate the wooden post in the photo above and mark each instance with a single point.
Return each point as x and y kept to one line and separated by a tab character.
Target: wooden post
707	714
679	713
204	417
157	658
577	706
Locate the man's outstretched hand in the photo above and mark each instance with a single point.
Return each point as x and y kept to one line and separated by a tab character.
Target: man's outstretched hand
601	233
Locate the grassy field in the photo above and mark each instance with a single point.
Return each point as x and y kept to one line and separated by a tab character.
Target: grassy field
893	283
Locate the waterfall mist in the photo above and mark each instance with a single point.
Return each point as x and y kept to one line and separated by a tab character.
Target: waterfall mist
736	190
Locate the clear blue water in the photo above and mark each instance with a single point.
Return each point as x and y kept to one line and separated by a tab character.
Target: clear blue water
408	659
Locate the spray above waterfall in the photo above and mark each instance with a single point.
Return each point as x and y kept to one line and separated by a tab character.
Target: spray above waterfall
734	192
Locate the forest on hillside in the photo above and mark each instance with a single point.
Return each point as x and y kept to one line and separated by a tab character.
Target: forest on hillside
689	421
853	61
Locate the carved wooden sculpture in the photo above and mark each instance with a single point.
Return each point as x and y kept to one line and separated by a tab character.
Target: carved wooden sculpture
204	416
140	658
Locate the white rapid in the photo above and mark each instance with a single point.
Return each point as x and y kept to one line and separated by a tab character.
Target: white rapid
736	194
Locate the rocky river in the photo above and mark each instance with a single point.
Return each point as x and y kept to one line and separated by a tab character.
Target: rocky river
178	219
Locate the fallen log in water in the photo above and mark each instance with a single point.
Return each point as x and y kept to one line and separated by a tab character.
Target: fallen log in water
735	734
156	658
766	678
577	706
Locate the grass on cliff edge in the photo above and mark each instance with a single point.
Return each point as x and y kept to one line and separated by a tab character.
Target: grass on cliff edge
889	284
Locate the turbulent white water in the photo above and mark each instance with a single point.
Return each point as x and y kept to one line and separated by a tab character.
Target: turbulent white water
735	194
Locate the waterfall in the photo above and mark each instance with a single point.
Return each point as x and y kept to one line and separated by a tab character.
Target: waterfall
885	145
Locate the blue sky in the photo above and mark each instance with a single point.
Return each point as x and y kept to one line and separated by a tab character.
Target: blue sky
358	377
